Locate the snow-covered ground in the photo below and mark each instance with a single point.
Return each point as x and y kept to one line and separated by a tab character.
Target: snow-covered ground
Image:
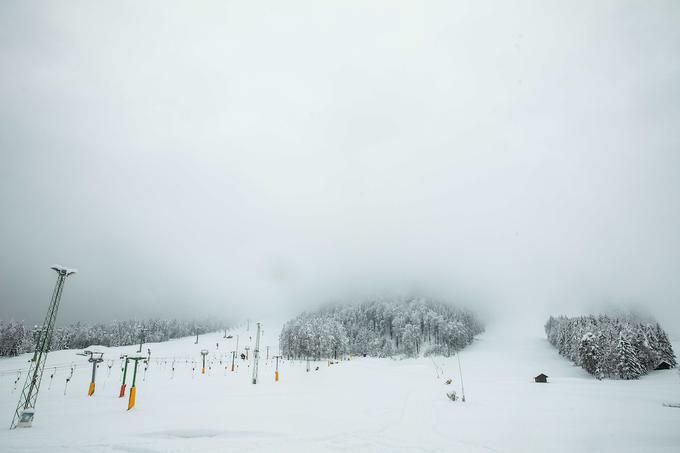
361	405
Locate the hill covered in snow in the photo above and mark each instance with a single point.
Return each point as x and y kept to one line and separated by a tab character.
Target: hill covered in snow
380	328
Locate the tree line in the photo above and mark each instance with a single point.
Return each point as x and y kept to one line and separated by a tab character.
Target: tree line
379	328
618	347
16	338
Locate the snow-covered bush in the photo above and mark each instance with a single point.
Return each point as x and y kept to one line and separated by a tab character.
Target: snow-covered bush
380	328
605	346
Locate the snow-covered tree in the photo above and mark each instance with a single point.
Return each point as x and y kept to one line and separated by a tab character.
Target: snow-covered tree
15	338
589	353
622	345
379	328
628	366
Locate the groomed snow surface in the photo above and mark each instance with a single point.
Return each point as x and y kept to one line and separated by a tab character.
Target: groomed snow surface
361	405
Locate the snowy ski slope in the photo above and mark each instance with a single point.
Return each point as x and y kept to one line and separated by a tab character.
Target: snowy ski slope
361	405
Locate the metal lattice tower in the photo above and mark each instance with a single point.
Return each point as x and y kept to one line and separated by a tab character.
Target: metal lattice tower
29	394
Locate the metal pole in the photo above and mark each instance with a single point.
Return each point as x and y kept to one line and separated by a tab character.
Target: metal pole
204	352
134	373
276	373
90	392
133	389
256	354
141	339
122	386
460	371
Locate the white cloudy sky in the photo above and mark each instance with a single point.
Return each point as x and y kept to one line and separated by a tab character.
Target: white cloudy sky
213	157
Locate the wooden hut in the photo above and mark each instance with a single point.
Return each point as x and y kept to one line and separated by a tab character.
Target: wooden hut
663	365
541	378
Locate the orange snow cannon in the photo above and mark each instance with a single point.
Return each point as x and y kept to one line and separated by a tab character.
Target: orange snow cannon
276	376
90	391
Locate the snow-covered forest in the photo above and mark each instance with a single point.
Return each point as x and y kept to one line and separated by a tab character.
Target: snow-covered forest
380	328
611	346
16	338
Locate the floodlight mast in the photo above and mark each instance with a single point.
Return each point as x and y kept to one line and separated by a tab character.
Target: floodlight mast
29	394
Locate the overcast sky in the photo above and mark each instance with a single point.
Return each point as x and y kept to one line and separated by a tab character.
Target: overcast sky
234	158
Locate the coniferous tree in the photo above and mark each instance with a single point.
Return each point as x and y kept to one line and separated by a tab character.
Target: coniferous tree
15	338
665	349
628	365
589	353
620	346
380	328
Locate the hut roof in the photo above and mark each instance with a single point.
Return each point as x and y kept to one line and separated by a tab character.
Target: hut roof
663	365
